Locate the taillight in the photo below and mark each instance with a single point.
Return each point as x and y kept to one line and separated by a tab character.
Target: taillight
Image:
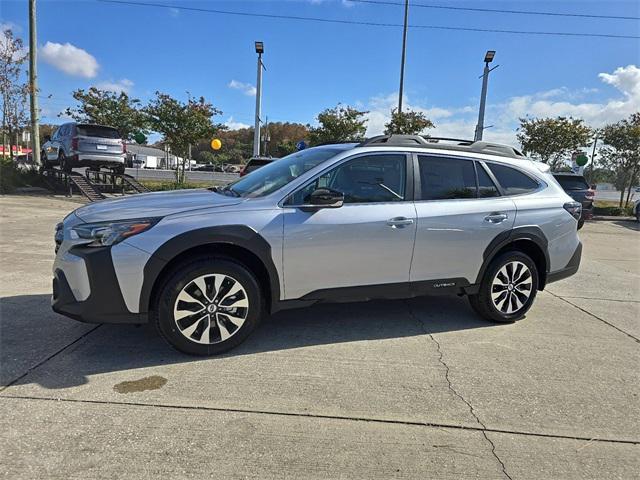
243	172
574	209
74	144
124	147
590	195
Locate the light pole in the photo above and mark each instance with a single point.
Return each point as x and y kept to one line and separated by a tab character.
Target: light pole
488	58
33	85
256	132
404	52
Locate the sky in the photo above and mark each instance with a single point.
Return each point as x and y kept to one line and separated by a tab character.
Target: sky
314	65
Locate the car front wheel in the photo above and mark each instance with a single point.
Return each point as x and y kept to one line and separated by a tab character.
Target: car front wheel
208	306
508	288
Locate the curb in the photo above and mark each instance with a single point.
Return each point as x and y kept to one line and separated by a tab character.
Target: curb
610	218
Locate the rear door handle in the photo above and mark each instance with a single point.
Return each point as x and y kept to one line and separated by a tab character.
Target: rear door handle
496	217
399	222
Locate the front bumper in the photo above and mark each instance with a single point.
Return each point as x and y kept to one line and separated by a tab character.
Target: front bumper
570	269
104	303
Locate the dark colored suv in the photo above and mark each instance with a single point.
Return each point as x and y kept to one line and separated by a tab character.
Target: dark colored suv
577	188
255	163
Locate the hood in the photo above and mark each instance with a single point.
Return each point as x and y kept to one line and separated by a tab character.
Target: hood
157	204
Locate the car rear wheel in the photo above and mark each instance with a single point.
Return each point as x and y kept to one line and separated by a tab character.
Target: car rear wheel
508	288
208	306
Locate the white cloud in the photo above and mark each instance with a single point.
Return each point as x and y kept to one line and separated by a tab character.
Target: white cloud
503	117
70	59
233	125
124	85
245	88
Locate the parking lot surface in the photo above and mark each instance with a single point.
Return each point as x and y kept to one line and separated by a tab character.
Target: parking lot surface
396	389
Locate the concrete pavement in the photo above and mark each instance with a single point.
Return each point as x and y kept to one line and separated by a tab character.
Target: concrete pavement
399	389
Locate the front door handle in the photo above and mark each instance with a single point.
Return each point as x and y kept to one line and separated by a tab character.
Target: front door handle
496	217
399	222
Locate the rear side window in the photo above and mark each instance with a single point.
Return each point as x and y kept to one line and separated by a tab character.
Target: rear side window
569	182
511	180
97	131
446	178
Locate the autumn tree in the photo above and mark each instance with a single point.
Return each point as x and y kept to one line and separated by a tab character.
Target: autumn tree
338	124
407	123
621	153
181	124
104	107
13	90
552	140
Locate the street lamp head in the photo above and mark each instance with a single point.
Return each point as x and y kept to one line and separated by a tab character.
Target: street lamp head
488	58
259	47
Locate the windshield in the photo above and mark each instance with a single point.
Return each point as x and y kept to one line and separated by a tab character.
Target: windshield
279	173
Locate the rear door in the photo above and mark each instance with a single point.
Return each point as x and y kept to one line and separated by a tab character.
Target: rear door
366	242
459	212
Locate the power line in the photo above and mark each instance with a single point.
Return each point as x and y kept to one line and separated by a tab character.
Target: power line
370	24
495	10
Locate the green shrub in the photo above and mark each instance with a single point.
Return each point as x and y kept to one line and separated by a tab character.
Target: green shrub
12	177
613	211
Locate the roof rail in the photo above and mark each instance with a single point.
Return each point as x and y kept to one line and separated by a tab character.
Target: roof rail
458	144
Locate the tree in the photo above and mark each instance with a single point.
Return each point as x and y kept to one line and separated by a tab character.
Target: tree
206	157
552	140
338	124
181	124
621	153
283	137
13	92
104	107
407	123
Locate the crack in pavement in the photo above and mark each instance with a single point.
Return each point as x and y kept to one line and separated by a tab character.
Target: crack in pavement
483	430
595	316
390	421
42	362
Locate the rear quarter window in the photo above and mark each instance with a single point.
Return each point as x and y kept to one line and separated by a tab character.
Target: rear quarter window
568	182
512	181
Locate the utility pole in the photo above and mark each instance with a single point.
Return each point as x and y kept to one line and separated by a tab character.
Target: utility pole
404	53
256	132
488	58
33	84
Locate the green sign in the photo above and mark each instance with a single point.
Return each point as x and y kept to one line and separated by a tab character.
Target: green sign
581	160
140	138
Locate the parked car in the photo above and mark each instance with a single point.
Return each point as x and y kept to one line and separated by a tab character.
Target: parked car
391	217
83	145
255	163
577	187
208	168
636	210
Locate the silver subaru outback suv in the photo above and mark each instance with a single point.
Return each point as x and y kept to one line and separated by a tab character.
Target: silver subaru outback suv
391	217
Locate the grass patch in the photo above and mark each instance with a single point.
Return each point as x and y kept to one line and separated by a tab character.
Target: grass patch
161	186
610	208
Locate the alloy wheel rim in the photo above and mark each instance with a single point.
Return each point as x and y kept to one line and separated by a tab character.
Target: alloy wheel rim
511	287
211	308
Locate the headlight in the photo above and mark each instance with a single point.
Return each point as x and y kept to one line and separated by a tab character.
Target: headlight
105	234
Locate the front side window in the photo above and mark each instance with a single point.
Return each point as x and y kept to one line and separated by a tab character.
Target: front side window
366	179
446	178
279	173
511	180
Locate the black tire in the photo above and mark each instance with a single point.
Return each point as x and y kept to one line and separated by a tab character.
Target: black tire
483	303
580	223
119	170
63	162
184	277
44	160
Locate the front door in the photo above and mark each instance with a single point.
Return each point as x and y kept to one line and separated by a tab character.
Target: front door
368	241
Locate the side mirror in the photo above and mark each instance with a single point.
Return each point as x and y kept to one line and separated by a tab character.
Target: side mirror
47	138
325	198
